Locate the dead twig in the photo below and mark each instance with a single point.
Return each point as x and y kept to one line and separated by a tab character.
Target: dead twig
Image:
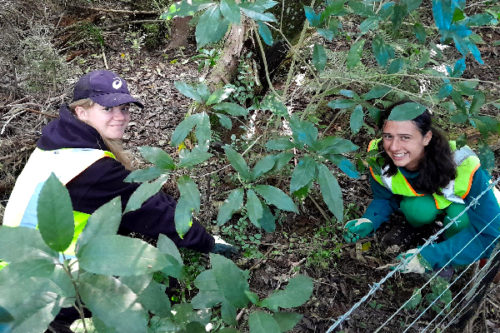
114	26
117	11
257	265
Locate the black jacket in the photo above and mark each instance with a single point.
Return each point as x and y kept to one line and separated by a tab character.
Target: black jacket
103	181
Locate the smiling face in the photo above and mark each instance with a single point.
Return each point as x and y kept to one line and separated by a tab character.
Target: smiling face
404	143
109	122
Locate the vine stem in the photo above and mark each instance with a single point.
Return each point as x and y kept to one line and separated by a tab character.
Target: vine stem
79	305
264	60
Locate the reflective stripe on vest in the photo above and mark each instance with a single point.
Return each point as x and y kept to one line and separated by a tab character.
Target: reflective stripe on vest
66	164
467	164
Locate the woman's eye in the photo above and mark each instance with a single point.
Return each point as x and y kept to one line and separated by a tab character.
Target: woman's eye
107	109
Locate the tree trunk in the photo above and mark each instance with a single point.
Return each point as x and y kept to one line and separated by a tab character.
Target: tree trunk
227	67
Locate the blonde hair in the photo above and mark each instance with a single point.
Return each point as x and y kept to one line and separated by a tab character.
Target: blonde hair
114	145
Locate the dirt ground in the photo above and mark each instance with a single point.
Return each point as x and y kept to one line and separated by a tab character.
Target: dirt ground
305	243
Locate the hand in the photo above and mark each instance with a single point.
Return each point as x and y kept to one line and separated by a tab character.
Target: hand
223	248
356	229
417	263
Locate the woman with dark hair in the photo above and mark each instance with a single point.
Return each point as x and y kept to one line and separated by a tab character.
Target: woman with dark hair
423	175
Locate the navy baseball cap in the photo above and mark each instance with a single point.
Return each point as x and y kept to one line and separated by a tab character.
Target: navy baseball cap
104	88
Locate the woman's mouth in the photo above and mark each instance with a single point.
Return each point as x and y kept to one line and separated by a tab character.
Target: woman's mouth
398	156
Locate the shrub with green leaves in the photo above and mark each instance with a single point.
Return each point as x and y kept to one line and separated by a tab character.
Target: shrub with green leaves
112	275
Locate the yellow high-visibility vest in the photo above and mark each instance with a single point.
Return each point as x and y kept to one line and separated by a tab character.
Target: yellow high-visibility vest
66	164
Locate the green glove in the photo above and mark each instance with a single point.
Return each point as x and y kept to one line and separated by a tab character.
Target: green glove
356	229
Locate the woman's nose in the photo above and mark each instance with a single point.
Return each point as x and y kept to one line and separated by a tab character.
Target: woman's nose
394	144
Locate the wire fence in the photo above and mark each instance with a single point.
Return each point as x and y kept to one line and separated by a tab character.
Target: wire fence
465	300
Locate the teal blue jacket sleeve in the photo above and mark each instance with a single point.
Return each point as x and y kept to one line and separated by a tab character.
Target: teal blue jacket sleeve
479	238
384	203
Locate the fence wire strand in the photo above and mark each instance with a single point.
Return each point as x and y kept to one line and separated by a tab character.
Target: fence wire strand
376	286
448	288
467	297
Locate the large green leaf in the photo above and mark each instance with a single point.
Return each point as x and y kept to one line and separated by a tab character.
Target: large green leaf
219	95
383	52
256	12
143	193
230	10
263	165
303	173
188	90
23	243
265	33
407	111
398	14
274	196
341	103
238	163
211	27
104	221
330	189
167	246
344	164
412	4
154	299
231	205
287	320
231	108
36	319
16	271
203	132
254	208
282	159
113	302
33	314
356	120
355	52
396	66
477	102
189	159
371	23
158	157
230	279
267	221
183	129
120	255
262	322
376	92
282	143
55	215
304	132
420	33
189	191
204	91
225	283
334	145
175	264
144	175
225	121
319	57
183	216
296	293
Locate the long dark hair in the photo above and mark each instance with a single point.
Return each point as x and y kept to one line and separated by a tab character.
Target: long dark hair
437	168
